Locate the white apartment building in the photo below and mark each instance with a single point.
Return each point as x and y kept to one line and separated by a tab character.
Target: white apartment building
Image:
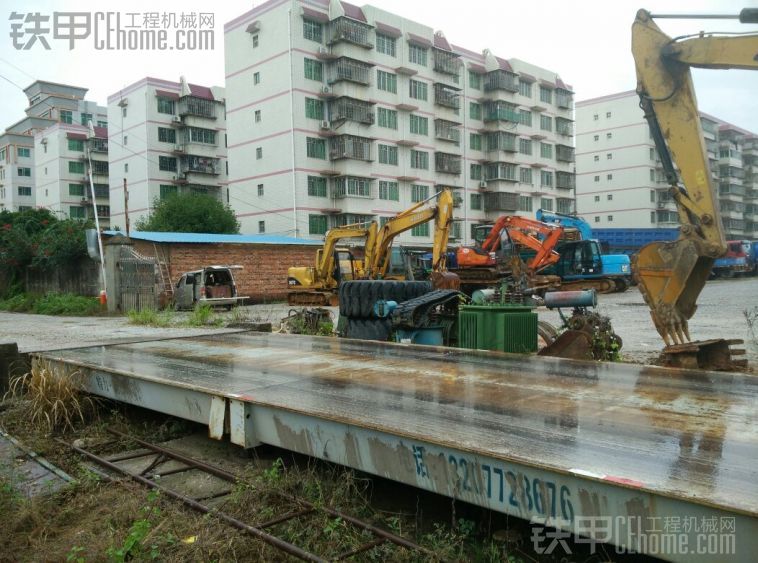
17	173
164	138
340	114
620	180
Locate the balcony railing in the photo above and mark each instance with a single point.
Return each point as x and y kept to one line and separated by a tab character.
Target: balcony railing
100	167
500	201
564	153
201	165
731	189
564	126
351	109
564	205
98	145
501	80
564	98
446	62
350	146
565	180
447	163
351	31
731	172
502	141
192	105
446	96
733	224
501	111
501	171
351	186
350	70
447	131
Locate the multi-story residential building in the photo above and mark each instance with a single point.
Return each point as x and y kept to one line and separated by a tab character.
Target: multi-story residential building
164	138
620	180
17	186
340	114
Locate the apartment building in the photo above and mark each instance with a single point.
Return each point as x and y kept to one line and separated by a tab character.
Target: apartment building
17	173
620	180
340	114
165	138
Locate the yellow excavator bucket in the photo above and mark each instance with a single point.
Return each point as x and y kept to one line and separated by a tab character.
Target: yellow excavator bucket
671	275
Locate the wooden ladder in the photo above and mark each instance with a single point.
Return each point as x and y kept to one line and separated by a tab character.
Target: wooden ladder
164	273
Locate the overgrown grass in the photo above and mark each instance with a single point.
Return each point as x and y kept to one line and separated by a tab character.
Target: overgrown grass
203	315
52	304
151	317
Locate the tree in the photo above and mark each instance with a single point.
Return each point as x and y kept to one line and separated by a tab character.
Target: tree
190	213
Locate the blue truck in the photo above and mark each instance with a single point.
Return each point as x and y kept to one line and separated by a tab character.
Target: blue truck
582	259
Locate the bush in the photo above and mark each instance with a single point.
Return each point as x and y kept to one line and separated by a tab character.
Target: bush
150	317
52	304
190	213
203	315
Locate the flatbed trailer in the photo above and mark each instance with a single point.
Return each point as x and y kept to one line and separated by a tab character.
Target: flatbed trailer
657	460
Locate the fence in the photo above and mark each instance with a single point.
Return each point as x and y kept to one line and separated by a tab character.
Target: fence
81	278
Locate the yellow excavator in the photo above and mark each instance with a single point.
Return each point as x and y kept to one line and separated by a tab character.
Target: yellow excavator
671	275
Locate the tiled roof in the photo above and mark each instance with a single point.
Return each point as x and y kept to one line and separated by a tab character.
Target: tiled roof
388	29
504	64
167	94
315	15
201	92
101	132
353	12
418	40
441	43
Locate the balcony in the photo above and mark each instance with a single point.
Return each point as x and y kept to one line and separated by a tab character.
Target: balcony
446	62
500	201
98	145
501	141
349	70
565	180
447	163
200	165
351	187
564	99
731	191
200	107
565	205
351	147
501	80
351	109
501	171
564	126
733	226
731	172
667	218
446	96
447	131
350	31
564	153
501	111
99	167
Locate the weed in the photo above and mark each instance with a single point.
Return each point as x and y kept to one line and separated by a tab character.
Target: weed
52	399
132	547
52	304
74	554
751	318
273	474
203	315
151	317
239	315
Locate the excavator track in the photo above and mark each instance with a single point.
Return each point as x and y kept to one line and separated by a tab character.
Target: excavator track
313	298
603	285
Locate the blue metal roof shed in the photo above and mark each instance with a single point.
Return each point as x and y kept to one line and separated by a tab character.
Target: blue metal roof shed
207	238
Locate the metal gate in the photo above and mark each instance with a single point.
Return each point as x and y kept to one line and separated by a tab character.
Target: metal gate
137	280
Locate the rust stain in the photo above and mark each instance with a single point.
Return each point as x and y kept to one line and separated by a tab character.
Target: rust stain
589	503
395	462
352	454
125	388
292	440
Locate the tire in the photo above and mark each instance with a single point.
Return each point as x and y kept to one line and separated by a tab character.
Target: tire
357	298
368	329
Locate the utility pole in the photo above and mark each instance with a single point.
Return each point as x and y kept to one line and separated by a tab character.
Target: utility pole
126	208
90	138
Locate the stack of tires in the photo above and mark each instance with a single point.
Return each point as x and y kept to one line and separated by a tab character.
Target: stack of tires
357	299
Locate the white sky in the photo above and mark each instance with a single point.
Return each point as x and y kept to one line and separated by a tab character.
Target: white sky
586	41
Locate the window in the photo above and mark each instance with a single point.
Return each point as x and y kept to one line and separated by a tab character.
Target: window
546	178
419	125
524	203
125	139
597	158
387	118
596	138
525	146
317	224
476	201
652	196
85	118
257	116
126	167
419	159
66	116
76	212
385	44
316	187
76	145
76	190
597	198
165	105
166	135
73	168
476	171
609	177
314	109
474	80
387	154
525	117
314	70
609	197
25	191
261	226
608	115
167	190
386	81
313	31
546	150
418	90
474	110
256	78
652	175
167	163
417	55
258	153
609	156
525	89
419	192
597	178
597	219
123	111
475	140
546	95
546	203
652	216
546	123
103	124
525	175
420	230
389	191
22	152
595	117
609	135
255	41
315	148
260	190
610	218
652	154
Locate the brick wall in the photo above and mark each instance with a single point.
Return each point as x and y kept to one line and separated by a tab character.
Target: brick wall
264	273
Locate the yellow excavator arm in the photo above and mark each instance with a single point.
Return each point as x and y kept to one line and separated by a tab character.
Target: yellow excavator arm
672	275
325	263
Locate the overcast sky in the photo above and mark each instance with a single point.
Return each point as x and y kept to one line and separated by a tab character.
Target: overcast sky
586	41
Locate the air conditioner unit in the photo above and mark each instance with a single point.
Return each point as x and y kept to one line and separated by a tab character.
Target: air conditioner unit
483	184
323	50
325	124
176	119
326	90
179	148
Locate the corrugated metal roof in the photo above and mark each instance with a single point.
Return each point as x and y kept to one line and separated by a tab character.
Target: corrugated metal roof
206	238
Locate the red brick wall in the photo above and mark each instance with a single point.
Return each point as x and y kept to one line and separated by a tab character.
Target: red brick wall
264	274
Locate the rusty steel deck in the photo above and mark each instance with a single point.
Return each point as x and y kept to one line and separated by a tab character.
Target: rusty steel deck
573	444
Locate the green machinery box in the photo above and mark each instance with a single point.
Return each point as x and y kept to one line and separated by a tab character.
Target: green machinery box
507	328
